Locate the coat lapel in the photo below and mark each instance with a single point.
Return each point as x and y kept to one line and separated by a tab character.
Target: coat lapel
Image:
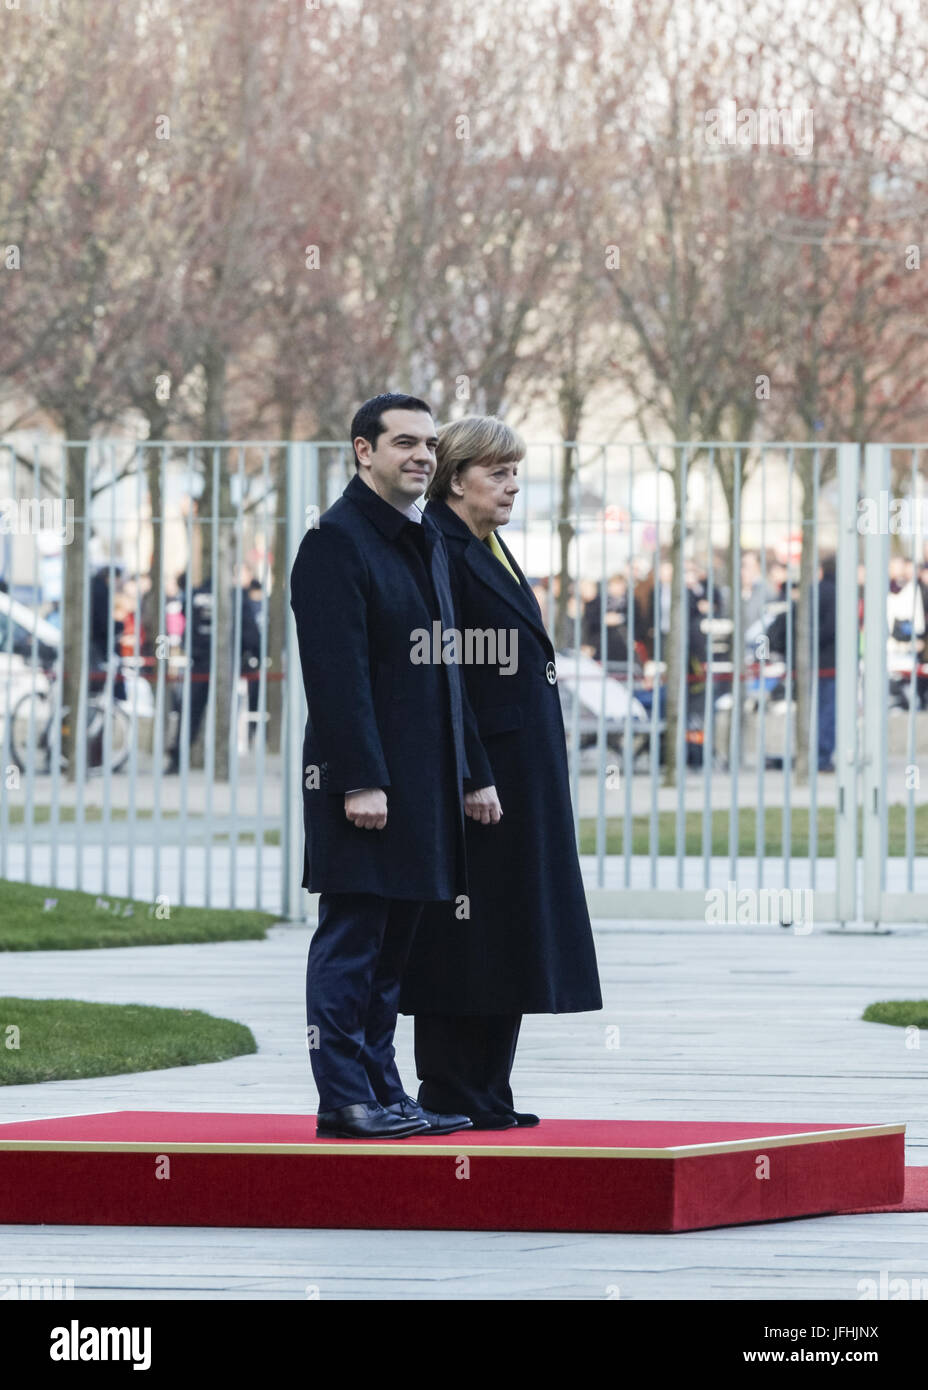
438	569
489	571
390	521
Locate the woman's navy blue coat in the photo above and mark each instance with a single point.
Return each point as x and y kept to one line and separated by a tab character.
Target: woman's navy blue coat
376	719
527	946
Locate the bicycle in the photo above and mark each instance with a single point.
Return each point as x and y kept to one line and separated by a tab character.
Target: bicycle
108	719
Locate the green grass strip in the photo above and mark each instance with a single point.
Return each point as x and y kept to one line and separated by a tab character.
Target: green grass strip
748	842
903	1013
36	918
64	1039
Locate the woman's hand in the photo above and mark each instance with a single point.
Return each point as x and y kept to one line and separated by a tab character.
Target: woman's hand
483	805
367	809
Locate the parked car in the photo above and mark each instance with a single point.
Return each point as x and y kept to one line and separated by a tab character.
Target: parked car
583	683
29	646
20	628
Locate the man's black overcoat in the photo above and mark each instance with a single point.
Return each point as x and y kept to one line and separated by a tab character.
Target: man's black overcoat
528	945
376	719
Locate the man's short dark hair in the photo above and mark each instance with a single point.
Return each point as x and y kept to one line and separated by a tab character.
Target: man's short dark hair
368	422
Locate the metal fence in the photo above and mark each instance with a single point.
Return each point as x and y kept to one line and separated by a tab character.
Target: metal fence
187	785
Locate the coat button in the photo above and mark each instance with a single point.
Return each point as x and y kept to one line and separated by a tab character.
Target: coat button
551	673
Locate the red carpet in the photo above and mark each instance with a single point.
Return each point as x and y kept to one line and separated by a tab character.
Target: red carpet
915	1199
195	1169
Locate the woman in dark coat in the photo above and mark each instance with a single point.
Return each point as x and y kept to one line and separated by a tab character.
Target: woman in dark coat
522	941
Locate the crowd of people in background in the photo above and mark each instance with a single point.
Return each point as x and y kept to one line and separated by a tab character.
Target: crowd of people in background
769	600
114	598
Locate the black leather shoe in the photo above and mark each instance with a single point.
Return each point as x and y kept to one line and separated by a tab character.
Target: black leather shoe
497	1121
523	1117
366	1122
438	1124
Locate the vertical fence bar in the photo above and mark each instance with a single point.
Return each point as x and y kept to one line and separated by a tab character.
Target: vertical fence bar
162	649
876	562
654	741
236	677
212	704
602	746
760	815
683	646
134	663
913	678
109	691
737	678
31	759
846	664
575	580
294	695
80	736
786	820
8	698
183	735
628	737
814	677
708	692
56	684
261	729
550	615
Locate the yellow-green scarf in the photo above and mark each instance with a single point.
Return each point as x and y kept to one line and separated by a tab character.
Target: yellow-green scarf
500	555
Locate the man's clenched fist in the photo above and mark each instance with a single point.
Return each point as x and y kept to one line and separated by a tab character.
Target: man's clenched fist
367	809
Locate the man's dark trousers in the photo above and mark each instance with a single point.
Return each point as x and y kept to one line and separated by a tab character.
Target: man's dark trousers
356	960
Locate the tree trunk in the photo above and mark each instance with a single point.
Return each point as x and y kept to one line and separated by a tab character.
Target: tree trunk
571	412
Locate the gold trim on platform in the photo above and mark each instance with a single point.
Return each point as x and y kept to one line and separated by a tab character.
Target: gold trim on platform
447	1148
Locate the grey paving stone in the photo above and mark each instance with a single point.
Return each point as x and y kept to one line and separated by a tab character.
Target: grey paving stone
723	1024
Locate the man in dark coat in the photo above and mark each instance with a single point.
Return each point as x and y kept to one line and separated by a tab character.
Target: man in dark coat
526	943
252	624
384	764
825	665
201	629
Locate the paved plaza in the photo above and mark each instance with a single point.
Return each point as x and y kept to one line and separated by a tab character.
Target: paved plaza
735	1023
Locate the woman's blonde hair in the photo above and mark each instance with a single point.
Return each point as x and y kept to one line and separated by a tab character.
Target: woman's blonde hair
474	439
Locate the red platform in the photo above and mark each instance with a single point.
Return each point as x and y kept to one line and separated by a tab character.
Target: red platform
173	1168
